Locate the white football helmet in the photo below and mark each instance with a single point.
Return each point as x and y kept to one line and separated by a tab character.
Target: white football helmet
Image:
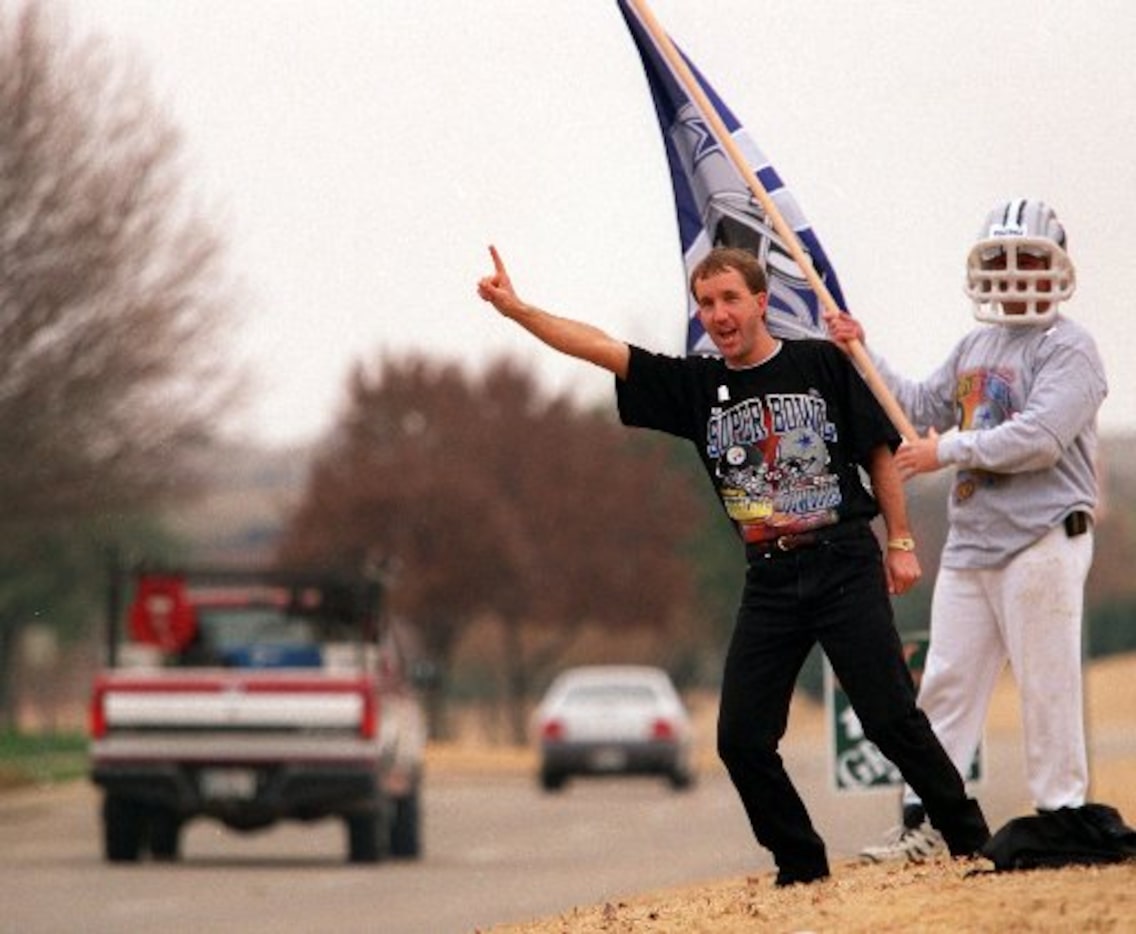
1018	270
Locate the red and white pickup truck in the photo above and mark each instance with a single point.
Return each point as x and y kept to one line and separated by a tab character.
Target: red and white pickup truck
252	697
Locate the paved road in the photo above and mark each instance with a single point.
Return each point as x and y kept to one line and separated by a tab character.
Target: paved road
498	850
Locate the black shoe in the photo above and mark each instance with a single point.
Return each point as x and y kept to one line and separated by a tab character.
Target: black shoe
798	878
967	832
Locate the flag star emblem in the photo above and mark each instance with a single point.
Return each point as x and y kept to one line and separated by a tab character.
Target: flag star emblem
703	142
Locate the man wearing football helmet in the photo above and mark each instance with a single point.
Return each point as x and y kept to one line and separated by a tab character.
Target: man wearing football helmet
1023	396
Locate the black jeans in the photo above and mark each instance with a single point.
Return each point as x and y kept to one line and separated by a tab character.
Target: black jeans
834	593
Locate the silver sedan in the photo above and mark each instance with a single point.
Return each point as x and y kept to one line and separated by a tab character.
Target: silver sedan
613	720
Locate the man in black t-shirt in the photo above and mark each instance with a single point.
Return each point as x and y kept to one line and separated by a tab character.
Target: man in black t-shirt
782	429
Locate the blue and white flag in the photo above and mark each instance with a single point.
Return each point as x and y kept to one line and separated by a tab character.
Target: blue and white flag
716	207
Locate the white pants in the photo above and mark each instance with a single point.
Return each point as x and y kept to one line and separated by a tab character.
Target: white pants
1028	613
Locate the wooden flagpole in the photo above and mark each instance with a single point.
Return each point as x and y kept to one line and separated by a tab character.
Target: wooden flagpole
726	140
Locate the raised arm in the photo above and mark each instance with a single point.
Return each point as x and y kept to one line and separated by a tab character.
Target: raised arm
574	338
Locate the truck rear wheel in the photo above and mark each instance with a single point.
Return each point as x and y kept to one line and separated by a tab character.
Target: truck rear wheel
123	826
367	837
405	838
165	834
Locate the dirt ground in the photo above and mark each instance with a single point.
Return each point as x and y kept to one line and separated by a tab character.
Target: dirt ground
944	895
935	897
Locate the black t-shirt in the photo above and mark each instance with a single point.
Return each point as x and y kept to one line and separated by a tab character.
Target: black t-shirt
781	441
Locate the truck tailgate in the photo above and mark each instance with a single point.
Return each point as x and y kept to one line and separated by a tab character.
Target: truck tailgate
229	716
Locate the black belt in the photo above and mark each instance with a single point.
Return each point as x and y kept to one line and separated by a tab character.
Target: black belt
784	544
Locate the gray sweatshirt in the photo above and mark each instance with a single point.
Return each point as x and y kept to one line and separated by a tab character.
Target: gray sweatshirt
1025	401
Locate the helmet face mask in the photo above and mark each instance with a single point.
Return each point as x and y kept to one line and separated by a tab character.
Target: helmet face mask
1018	271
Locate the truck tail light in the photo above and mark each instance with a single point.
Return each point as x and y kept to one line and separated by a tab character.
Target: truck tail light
96	715
369	720
552	730
663	729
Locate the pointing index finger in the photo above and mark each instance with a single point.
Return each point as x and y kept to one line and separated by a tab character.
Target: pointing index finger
498	264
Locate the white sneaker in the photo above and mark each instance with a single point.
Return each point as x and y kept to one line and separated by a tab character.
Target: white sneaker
913	844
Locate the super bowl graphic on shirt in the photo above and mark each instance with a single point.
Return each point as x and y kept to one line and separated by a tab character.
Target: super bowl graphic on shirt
772	464
983	399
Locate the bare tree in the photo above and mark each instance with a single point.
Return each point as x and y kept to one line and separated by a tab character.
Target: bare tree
111	284
112	291
497	502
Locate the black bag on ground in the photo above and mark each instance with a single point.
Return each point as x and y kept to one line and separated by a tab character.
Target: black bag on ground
1095	833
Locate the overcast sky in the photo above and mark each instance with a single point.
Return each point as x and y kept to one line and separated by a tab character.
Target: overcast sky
361	154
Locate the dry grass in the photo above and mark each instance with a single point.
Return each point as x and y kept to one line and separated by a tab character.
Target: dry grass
939	896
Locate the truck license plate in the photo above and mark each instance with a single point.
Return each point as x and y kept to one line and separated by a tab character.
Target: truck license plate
228	784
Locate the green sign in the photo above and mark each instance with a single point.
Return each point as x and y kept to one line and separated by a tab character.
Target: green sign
857	765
